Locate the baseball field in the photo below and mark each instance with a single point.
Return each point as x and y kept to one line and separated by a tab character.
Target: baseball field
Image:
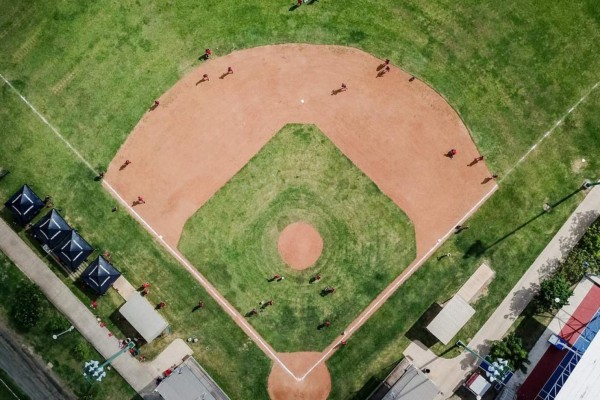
514	81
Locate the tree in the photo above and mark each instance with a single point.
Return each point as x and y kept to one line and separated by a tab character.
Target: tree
510	349
553	288
27	307
585	257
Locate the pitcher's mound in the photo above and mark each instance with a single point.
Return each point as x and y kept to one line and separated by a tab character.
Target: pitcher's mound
300	245
315	386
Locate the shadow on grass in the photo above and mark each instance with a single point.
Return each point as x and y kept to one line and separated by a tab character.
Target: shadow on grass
125	328
418	330
374	383
478	247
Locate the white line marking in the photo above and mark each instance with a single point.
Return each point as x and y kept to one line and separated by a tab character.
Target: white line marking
9	389
556	125
216	295
45	121
205	283
389	291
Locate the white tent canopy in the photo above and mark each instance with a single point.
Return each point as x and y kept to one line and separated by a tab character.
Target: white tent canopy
143	317
451	319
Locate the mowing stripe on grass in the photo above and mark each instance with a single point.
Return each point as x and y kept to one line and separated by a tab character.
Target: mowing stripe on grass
211	290
390	290
52	128
264	346
547	133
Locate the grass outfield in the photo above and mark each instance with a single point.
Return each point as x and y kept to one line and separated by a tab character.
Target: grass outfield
511	69
299	176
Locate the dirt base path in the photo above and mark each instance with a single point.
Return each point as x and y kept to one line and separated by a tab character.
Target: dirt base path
315	386
397	130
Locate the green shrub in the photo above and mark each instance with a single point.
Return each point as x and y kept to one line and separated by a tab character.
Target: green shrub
27	307
554	293
510	349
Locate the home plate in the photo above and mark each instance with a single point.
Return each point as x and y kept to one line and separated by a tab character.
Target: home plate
302	101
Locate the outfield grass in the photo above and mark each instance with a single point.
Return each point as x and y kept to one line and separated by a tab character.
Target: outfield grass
299	176
510	68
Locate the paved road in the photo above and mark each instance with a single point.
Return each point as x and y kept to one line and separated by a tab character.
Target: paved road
28	370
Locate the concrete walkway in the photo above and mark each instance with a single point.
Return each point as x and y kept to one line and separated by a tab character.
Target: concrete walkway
448	374
556	325
138	375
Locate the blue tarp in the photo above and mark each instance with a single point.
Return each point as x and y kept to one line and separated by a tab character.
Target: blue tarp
100	275
73	250
24	205
51	230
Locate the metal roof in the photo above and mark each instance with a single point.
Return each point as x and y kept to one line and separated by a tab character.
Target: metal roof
190	381
143	317
451	319
413	385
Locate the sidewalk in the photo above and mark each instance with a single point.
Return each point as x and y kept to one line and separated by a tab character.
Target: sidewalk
448	374
136	374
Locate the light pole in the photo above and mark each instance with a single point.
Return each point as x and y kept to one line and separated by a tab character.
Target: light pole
62	333
496	370
587	184
92	370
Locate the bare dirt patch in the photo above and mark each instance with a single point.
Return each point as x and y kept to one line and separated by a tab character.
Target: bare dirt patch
315	386
300	245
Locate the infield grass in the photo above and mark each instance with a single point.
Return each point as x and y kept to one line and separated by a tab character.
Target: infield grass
299	176
511	69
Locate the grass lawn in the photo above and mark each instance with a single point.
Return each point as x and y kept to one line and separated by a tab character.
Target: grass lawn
9	389
68	354
511	69
299	176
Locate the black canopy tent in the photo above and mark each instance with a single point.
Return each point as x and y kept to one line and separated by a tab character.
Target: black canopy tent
24	205
73	250
100	275
51	230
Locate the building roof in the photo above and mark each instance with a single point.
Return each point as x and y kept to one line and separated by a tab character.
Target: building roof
584	381
189	381
143	317
413	385
451	319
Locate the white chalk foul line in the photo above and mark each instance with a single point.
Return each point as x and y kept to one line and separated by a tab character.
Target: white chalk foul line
215	294
549	132
204	282
389	291
45	121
